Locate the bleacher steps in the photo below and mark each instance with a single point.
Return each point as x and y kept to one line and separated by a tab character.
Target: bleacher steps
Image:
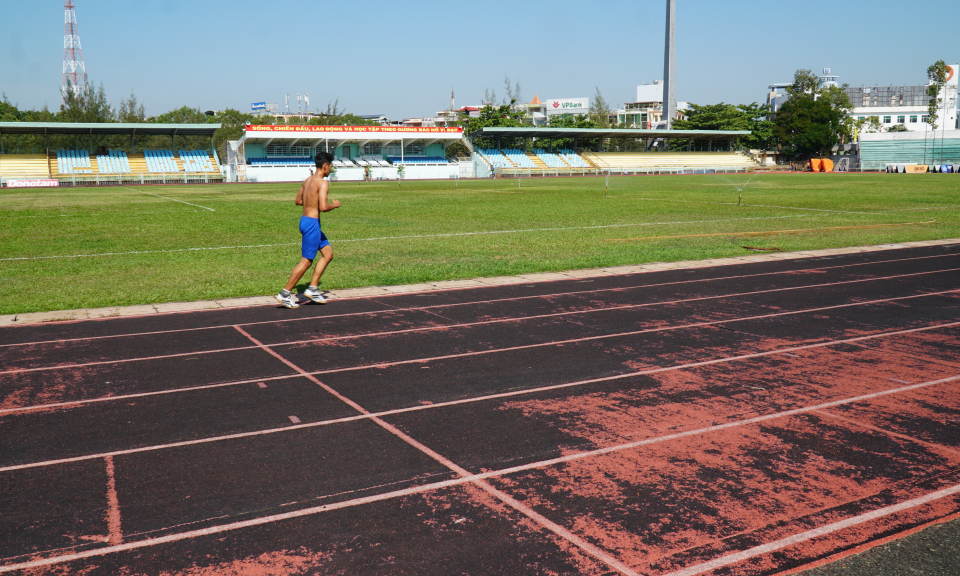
138	163
537	161
24	166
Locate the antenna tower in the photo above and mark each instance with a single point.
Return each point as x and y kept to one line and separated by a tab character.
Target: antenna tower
74	72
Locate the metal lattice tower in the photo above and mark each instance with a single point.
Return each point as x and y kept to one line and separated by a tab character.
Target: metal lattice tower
74	72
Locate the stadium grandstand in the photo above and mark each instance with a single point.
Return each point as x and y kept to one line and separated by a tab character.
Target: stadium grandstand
286	153
94	164
933	151
721	155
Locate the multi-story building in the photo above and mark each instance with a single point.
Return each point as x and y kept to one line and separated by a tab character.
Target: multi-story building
907	105
647	111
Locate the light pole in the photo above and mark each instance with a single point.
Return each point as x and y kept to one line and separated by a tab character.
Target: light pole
670	65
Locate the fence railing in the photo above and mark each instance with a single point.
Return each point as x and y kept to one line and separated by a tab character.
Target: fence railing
648	170
129	179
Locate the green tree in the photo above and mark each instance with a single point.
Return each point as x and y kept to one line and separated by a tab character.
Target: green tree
937	73
8	112
491	117
872	124
182	115
90	105
232	123
806	128
457	150
814	119
722	116
570	121
600	110
131	111
513	92
897	128
804	82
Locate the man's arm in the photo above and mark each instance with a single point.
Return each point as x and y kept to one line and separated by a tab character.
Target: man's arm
299	200
326	206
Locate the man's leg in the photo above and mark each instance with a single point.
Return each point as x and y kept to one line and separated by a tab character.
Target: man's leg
326	255
298	272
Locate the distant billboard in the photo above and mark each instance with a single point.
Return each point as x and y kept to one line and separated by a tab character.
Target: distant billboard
568	106
32	183
650	92
259	106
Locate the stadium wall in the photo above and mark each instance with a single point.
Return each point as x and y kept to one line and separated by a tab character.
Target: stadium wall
300	173
878	150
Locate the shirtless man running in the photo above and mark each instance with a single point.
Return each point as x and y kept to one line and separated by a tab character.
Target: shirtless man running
313	197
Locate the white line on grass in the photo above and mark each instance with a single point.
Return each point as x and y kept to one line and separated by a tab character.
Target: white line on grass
173	199
81	215
453	234
761	206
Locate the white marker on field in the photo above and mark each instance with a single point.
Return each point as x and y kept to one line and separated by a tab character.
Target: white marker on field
172	199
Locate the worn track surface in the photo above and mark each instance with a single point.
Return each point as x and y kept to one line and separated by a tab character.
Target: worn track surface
751	419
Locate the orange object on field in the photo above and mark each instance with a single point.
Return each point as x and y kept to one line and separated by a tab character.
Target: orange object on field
815	164
827	165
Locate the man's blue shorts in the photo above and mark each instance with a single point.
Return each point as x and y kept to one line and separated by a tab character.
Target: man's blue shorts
313	238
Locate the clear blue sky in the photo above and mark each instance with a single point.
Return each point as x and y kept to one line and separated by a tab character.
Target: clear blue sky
401	58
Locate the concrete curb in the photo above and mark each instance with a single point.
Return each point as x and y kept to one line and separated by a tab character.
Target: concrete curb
372	291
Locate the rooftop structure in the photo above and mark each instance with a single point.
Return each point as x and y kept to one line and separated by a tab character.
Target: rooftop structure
908	106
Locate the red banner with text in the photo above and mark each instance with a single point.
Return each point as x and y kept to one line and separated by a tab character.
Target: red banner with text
356	129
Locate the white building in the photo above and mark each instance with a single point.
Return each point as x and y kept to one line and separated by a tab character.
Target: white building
907	105
647	111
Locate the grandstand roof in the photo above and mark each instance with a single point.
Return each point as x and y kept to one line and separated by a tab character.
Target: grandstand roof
108	128
605	133
350	133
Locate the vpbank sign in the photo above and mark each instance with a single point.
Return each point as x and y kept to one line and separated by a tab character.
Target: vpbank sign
568	106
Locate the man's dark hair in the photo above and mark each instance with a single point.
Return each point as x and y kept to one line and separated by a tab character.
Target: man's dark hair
323	158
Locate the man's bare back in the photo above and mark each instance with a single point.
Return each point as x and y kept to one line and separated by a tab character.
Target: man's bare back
313	195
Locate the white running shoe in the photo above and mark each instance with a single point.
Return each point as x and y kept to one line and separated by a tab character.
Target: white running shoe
288	301
315	295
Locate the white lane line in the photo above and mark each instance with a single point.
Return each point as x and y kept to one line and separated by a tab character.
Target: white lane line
538	518
473	478
541	317
171	199
498	300
417	236
511	394
815	533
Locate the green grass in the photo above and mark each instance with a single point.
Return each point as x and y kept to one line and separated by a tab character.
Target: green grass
388	234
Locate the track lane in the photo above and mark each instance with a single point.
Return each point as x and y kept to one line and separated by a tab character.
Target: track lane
205	320
434	322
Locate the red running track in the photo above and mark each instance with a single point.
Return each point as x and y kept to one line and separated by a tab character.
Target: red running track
752	419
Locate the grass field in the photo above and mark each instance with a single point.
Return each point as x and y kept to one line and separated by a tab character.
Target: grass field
95	247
